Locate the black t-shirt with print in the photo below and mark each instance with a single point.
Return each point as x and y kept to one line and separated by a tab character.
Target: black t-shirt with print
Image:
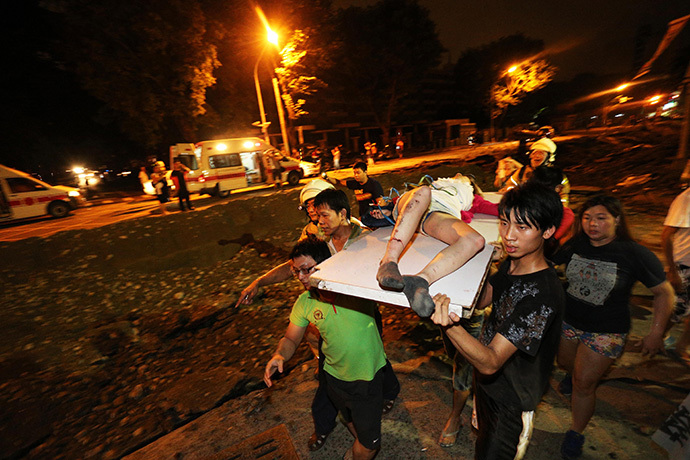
527	310
600	280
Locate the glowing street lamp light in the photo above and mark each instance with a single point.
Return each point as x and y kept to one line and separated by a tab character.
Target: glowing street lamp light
620	88
271	36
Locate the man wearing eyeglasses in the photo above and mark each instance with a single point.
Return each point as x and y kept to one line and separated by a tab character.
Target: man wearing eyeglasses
354	358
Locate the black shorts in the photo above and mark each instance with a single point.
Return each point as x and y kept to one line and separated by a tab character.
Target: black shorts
361	403
504	432
163	198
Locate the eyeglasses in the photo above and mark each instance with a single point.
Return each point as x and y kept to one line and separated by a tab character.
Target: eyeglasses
302	271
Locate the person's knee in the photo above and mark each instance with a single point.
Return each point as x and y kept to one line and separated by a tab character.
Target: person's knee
584	384
475	241
422	193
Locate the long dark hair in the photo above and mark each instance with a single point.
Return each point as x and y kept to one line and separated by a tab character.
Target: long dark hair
614	207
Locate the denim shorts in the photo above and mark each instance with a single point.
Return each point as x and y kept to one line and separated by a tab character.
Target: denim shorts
608	344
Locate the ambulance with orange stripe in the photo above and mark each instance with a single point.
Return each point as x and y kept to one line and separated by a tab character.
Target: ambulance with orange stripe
23	196
221	165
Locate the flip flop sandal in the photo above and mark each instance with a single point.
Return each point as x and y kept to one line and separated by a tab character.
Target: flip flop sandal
387	406
448	439
316	441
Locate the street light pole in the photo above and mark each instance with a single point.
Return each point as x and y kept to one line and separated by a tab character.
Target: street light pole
262	112
281	116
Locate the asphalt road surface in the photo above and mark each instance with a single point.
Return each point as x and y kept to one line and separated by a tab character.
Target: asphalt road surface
106	211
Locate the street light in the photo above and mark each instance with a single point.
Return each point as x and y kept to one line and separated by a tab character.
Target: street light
271	37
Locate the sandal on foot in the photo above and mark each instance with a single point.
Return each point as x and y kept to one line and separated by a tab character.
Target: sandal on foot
387	406
389	277
316	441
448	439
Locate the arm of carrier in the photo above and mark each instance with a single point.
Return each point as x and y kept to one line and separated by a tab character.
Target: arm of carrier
286	349
275	275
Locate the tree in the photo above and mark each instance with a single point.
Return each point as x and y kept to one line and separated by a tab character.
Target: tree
518	81
385	51
293	76
478	69
149	62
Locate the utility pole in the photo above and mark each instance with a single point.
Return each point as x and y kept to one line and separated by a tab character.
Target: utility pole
281	116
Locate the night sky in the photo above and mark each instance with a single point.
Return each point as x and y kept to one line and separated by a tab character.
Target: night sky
584	35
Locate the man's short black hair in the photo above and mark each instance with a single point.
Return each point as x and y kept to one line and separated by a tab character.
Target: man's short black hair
311	246
533	204
549	176
360	165
335	199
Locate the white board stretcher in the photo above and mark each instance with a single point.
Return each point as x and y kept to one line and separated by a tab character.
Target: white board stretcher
353	271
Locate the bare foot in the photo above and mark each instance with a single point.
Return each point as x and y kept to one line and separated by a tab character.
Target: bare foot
450	432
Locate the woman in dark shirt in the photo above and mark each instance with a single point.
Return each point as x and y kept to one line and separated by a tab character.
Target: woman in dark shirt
603	263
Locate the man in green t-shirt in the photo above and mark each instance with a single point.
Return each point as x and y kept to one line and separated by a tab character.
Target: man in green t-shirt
352	347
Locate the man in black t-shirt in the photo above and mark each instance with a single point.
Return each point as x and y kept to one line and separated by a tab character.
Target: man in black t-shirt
514	356
179	177
367	190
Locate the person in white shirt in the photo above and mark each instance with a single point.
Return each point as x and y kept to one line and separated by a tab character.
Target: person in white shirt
675	241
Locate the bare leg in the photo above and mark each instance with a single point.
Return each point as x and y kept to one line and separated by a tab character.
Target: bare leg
359	452
454	423
567	350
589	368
464	243
412	207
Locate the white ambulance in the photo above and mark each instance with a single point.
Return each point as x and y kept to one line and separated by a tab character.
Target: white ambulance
23	196
219	166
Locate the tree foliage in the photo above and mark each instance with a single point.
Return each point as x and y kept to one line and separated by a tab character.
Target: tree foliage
295	78
385	51
149	62
526	77
479	68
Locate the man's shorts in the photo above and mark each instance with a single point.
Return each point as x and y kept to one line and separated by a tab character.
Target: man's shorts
463	370
682	307
360	402
504	432
608	344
